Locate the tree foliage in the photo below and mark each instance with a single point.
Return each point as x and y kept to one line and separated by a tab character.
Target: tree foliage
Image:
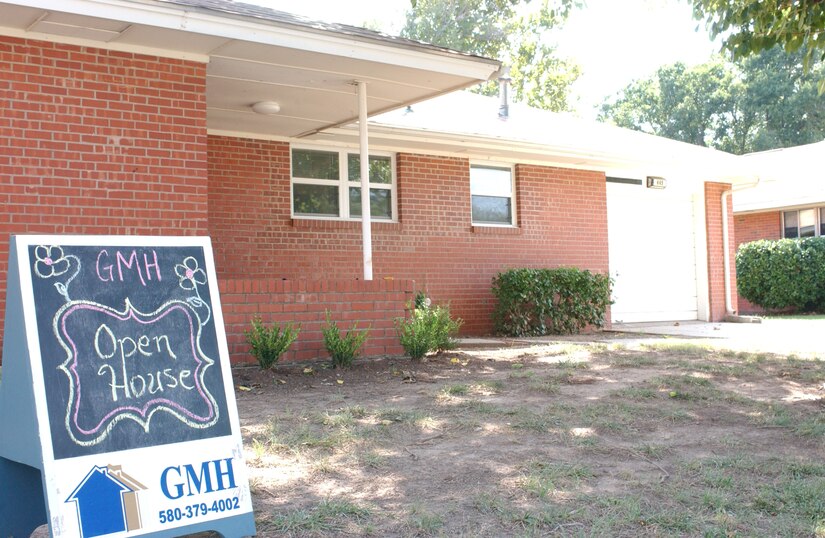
677	102
512	31
783	98
761	102
753	26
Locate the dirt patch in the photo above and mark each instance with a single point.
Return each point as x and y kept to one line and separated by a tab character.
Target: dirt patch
543	438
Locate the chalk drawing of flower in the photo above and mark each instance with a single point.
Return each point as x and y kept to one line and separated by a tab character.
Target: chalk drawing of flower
190	274
50	261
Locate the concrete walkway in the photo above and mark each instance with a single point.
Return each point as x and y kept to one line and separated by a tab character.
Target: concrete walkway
802	337
799	336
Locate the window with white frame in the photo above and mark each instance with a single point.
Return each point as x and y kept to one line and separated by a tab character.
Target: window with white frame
491	189
326	183
808	222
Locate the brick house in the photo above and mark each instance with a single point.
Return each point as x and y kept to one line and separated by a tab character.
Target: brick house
787	201
142	122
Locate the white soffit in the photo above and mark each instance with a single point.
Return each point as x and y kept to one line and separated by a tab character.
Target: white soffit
256	54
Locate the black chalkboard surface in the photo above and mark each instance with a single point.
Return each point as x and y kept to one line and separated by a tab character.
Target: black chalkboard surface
128	347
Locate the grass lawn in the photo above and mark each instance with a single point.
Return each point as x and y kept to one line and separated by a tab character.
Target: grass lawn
809	317
555	439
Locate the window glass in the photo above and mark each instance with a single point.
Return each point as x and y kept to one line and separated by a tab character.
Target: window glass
807	223
314	164
321	200
380	169
491	190
321	184
492	210
791	224
380	203
490	181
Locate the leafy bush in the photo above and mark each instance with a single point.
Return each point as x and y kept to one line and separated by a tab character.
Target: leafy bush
343	348
783	273
412	333
444	327
267	344
534	302
428	328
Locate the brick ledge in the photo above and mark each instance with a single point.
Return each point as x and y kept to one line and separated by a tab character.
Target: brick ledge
322	225
495	230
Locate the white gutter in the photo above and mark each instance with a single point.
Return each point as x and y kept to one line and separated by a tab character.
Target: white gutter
366	213
729	310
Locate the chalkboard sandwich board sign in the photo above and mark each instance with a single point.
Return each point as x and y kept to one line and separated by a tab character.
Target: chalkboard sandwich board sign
117	388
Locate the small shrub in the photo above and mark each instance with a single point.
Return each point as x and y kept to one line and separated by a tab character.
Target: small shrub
412	334
787	273
428	328
267	344
444	327
536	302
343	349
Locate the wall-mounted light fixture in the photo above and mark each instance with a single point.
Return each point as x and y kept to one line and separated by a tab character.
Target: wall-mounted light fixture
266	108
656	182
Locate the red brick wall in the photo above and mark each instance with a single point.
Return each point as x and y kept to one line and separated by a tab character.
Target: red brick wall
99	142
371	304
716	270
562	217
751	227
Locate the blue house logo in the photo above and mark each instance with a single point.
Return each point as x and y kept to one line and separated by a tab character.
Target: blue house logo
106	501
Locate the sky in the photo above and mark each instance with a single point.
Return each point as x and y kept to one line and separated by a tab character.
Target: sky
614	41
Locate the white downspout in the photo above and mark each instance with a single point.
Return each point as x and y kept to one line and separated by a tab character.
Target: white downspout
726	254
366	213
729	311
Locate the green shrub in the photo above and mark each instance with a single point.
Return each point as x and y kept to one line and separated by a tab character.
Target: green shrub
412	333
444	327
534	302
343	349
428	328
267	344
786	273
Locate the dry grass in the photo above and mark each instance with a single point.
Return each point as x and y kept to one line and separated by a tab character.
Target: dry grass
546	440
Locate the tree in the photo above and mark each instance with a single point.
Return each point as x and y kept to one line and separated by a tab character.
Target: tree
752	26
677	102
783	98
762	102
510	30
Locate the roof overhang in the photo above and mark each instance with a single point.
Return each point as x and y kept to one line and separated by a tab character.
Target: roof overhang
789	178
308	68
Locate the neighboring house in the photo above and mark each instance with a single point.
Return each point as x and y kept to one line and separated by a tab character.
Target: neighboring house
787	199
136	117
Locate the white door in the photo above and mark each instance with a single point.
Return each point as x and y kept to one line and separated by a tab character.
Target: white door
652	253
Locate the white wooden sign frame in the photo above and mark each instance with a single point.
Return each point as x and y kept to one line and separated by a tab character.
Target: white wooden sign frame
167	489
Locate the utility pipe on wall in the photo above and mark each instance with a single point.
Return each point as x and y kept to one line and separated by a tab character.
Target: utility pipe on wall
366	213
503	92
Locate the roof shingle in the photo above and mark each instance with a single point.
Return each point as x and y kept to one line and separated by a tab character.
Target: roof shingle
269	15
